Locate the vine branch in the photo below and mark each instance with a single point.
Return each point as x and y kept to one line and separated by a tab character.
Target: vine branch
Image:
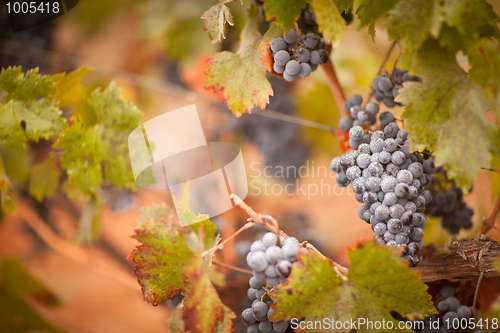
489	223
340	270
333	82
233	268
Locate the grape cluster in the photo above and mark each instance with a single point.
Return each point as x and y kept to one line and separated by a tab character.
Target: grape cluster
449	205
451	314
258	317
272	261
386	87
358	116
298	56
389	180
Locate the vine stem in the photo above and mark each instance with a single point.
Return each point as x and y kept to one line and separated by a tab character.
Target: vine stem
333	82
382	64
221	244
476	293
489	223
234	268
340	270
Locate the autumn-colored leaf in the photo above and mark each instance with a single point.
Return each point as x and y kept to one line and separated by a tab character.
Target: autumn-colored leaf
329	20
240	78
203	310
215	20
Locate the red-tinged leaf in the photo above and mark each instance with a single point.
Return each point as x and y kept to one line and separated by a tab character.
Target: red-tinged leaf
240	78
214	20
378	282
203	309
161	256
165	248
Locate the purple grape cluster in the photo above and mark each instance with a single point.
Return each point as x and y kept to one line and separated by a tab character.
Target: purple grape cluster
389	180
298	56
386	87
358	116
453	317
449	205
271	260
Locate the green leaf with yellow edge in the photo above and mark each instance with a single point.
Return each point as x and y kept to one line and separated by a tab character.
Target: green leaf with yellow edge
82	156
414	20
16	314
195	221
90	221
240	78
329	20
162	254
70	90
285	11
116	119
472	18
447	114
378	282
44	179
203	310
215	20
370	10
7	200
25	87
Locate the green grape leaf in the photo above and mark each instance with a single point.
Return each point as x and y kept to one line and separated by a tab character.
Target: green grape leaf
44	179
82	156
240	78
329	20
285	11
16	314
471	18
484	57
163	253
461	133
116	119
344	5
25	87
446	113
370	10
203	309
69	88
414	20
7	200
215	20
21	122
378	282
90	221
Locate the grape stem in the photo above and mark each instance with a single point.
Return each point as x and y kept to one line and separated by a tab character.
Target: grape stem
233	268
489	223
382	64
333	82
221	244
340	270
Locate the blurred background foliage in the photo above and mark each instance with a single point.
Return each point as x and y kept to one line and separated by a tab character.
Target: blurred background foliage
156	51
